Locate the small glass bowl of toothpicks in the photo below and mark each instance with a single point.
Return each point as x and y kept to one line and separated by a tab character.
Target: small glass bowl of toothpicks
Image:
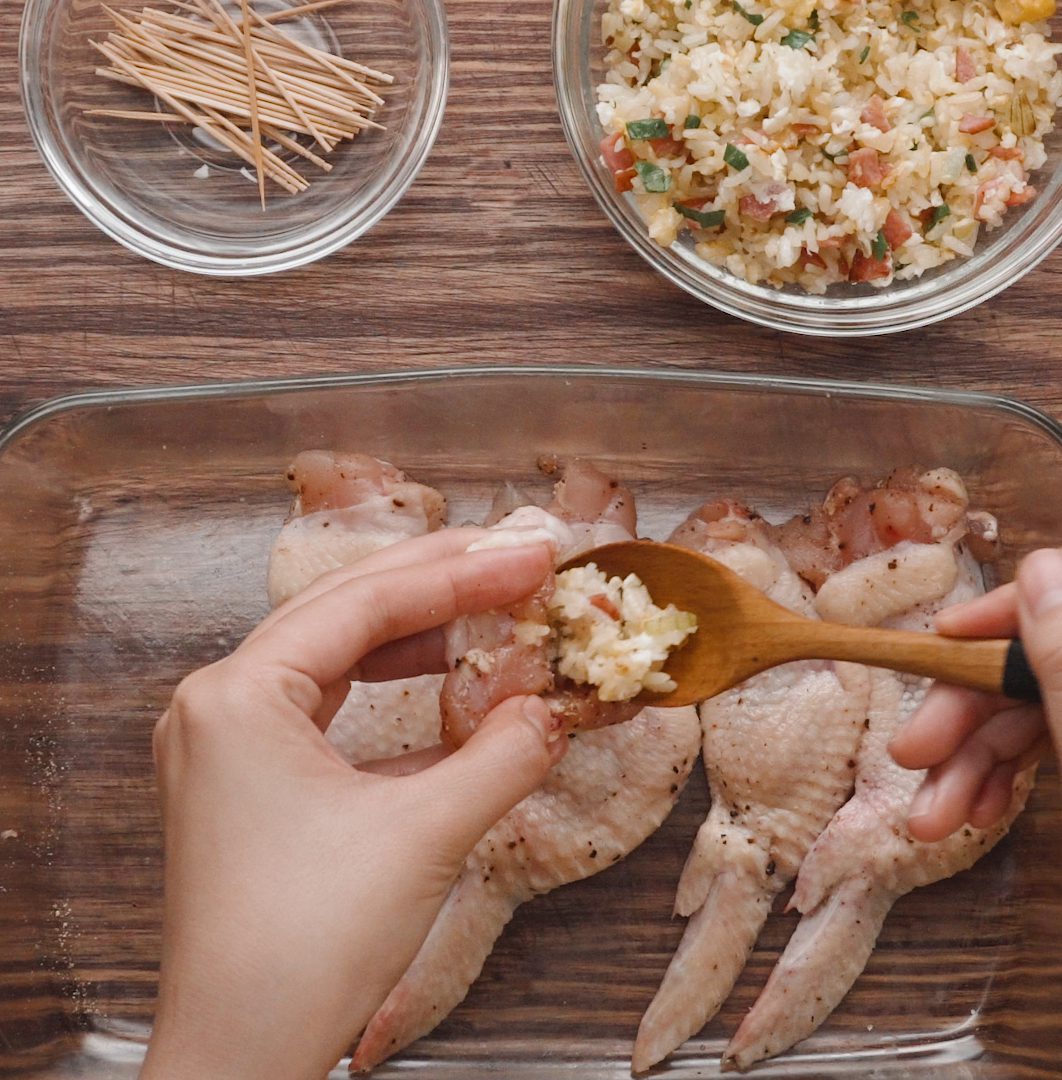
234	137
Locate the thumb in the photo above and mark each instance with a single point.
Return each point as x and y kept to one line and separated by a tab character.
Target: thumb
1040	617
506	759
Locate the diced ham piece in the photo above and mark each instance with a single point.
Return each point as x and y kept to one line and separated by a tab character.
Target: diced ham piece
625	180
990	192
865	168
986	192
1020	198
668	147
964	65
1007	153
874	114
811	258
897	229
617	156
972	125
867	268
751	207
805	129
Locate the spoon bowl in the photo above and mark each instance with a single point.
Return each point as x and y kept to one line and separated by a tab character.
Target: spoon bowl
740	632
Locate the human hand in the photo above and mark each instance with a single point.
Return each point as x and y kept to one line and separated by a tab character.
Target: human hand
972	743
298	889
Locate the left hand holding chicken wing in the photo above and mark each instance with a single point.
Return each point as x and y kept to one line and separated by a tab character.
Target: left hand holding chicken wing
297	889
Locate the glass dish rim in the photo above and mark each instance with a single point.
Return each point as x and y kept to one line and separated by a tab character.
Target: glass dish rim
886	312
314	245
36	415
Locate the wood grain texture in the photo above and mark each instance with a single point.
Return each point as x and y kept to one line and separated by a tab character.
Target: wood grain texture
496	254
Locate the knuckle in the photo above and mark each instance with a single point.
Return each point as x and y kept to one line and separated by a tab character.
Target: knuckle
191	700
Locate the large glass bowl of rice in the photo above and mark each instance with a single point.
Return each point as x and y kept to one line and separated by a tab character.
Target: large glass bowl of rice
832	167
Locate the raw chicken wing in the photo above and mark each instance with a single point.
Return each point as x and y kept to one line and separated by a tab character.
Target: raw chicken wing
773	790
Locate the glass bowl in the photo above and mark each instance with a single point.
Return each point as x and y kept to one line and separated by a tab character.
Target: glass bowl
138	181
1001	257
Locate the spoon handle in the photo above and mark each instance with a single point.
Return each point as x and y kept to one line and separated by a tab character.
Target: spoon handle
998	665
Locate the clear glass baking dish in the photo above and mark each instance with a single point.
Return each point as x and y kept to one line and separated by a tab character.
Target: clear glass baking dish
134	531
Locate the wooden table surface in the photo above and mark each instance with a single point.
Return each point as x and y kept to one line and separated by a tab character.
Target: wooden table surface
497	254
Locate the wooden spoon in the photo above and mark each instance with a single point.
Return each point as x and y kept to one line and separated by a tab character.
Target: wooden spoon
741	633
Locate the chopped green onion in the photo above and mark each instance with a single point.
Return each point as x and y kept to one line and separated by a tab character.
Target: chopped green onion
735	158
938	215
746	14
813	22
971	163
864	54
653	177
648	129
798	217
688	4
707	219
691	121
909	18
879	246
797	39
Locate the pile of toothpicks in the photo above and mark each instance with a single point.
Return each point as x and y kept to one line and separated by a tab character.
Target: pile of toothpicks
245	83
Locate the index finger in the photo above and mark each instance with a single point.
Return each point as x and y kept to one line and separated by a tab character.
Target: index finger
328	634
993	615
418	549
947	717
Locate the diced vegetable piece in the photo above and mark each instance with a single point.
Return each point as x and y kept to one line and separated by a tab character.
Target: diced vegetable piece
750	15
735	158
798	217
909	18
653	178
691	121
879	246
936	215
797	39
971	163
864	53
1019	11
705	219
653	128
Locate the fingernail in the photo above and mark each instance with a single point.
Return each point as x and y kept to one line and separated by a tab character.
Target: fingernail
922	803
1040	581
537	711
